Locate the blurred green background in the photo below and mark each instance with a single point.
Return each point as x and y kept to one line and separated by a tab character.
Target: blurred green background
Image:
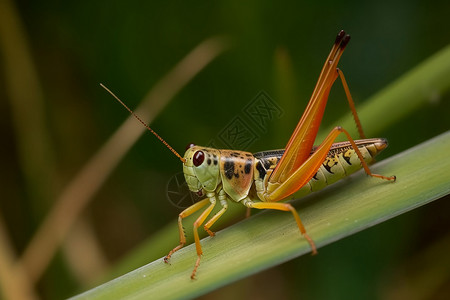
277	47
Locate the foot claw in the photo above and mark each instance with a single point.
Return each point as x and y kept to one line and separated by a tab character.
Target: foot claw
211	233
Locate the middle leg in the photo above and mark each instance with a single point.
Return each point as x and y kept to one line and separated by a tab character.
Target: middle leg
283	207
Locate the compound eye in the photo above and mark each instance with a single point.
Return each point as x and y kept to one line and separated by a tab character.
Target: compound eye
198	158
190	146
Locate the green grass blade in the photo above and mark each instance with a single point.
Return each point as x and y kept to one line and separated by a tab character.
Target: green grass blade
271	238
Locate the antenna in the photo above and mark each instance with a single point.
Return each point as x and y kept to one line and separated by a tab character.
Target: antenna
145	124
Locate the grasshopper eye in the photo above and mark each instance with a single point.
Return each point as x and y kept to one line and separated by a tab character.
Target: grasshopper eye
190	146
198	158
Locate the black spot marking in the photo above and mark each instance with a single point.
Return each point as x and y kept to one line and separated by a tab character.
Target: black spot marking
209	161
229	168
327	166
347	157
248	167
215	162
261	170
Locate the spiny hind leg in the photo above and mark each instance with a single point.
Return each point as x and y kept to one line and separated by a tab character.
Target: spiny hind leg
284	207
276	191
185	213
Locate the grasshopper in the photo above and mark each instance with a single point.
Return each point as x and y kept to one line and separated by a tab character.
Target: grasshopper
232	175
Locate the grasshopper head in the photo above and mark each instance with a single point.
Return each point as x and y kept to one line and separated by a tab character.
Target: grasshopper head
201	168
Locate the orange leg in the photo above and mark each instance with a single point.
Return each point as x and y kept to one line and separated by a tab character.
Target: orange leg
197	224
224	203
192	209
351	103
185	213
284	207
